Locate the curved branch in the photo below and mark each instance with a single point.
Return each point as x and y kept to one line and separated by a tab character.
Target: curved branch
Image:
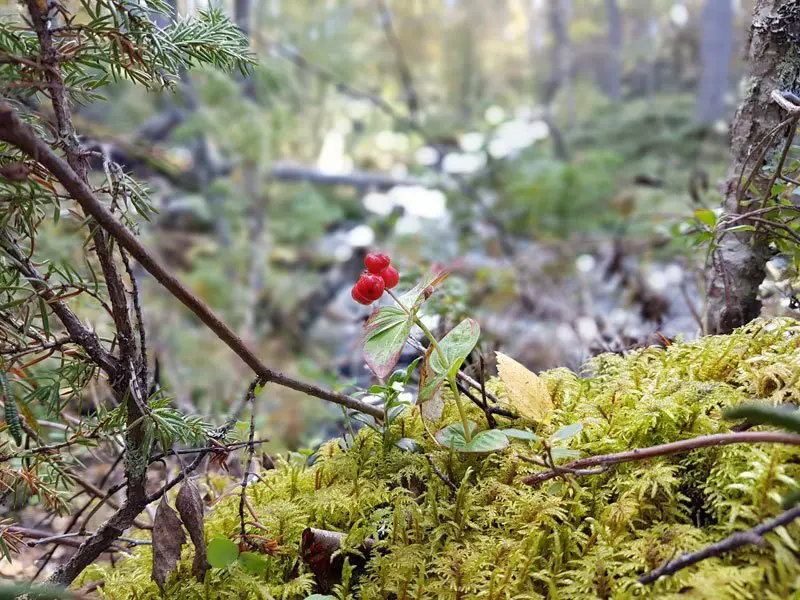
21	135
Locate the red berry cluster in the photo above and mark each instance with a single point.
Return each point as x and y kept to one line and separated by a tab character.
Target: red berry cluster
379	276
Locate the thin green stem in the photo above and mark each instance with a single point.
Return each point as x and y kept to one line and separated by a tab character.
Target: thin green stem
451	380
461	412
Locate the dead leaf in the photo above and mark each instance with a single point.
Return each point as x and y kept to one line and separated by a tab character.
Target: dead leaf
527	392
190	507
168	538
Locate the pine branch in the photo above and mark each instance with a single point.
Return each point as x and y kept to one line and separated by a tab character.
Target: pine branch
584	466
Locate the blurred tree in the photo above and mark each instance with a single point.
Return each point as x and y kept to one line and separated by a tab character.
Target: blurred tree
736	266
613	77
716	45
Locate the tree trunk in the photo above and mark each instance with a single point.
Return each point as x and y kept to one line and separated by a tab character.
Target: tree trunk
560	73
716	41
614	68
736	268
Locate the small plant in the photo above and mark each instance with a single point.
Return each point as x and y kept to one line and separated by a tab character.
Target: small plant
395	403
385	334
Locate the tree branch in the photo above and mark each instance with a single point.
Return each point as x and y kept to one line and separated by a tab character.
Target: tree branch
730	543
77	331
605	460
17	133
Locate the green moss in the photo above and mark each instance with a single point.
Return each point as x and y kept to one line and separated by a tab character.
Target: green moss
587	538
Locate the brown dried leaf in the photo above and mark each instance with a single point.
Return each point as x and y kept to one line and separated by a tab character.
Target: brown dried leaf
168	538
190	506
526	390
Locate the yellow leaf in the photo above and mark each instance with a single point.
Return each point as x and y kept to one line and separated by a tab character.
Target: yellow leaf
526	390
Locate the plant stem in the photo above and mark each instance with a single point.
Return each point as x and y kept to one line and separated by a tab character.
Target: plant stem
464	422
451	379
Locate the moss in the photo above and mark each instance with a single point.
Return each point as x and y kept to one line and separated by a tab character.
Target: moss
495	538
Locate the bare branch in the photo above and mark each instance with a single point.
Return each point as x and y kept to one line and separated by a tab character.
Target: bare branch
77	331
705	441
730	543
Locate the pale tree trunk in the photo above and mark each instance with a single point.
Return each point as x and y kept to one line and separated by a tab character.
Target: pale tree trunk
560	60
716	41
736	269
614	68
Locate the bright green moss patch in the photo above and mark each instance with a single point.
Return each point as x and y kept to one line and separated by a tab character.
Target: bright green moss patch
590	537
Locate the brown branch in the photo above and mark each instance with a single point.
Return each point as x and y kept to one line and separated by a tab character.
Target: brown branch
17	133
719	439
77	331
251	399
730	543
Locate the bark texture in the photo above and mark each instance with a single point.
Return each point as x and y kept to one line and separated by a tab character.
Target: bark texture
736	269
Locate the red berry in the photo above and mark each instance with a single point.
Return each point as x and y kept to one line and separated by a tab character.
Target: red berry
358	297
376	262
370	286
390	277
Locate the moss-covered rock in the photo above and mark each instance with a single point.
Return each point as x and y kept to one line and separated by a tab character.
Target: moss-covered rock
587	537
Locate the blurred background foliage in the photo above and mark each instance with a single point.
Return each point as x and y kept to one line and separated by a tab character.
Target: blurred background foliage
546	150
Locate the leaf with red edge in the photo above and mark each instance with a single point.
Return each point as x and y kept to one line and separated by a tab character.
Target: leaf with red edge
385	334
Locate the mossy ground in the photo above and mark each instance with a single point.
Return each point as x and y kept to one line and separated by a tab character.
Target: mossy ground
590	537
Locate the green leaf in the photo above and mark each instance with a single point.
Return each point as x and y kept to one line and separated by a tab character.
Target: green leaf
706	216
521	434
490	440
253	563
222	552
559	453
453	436
567	432
455	347
763	414
409	445
320	597
385	334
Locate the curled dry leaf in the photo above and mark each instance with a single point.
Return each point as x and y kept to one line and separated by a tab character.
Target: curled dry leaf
190	507
526	390
168	538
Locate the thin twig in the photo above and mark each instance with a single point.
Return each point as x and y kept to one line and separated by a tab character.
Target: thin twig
251	399
730	543
705	441
407	81
441	475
